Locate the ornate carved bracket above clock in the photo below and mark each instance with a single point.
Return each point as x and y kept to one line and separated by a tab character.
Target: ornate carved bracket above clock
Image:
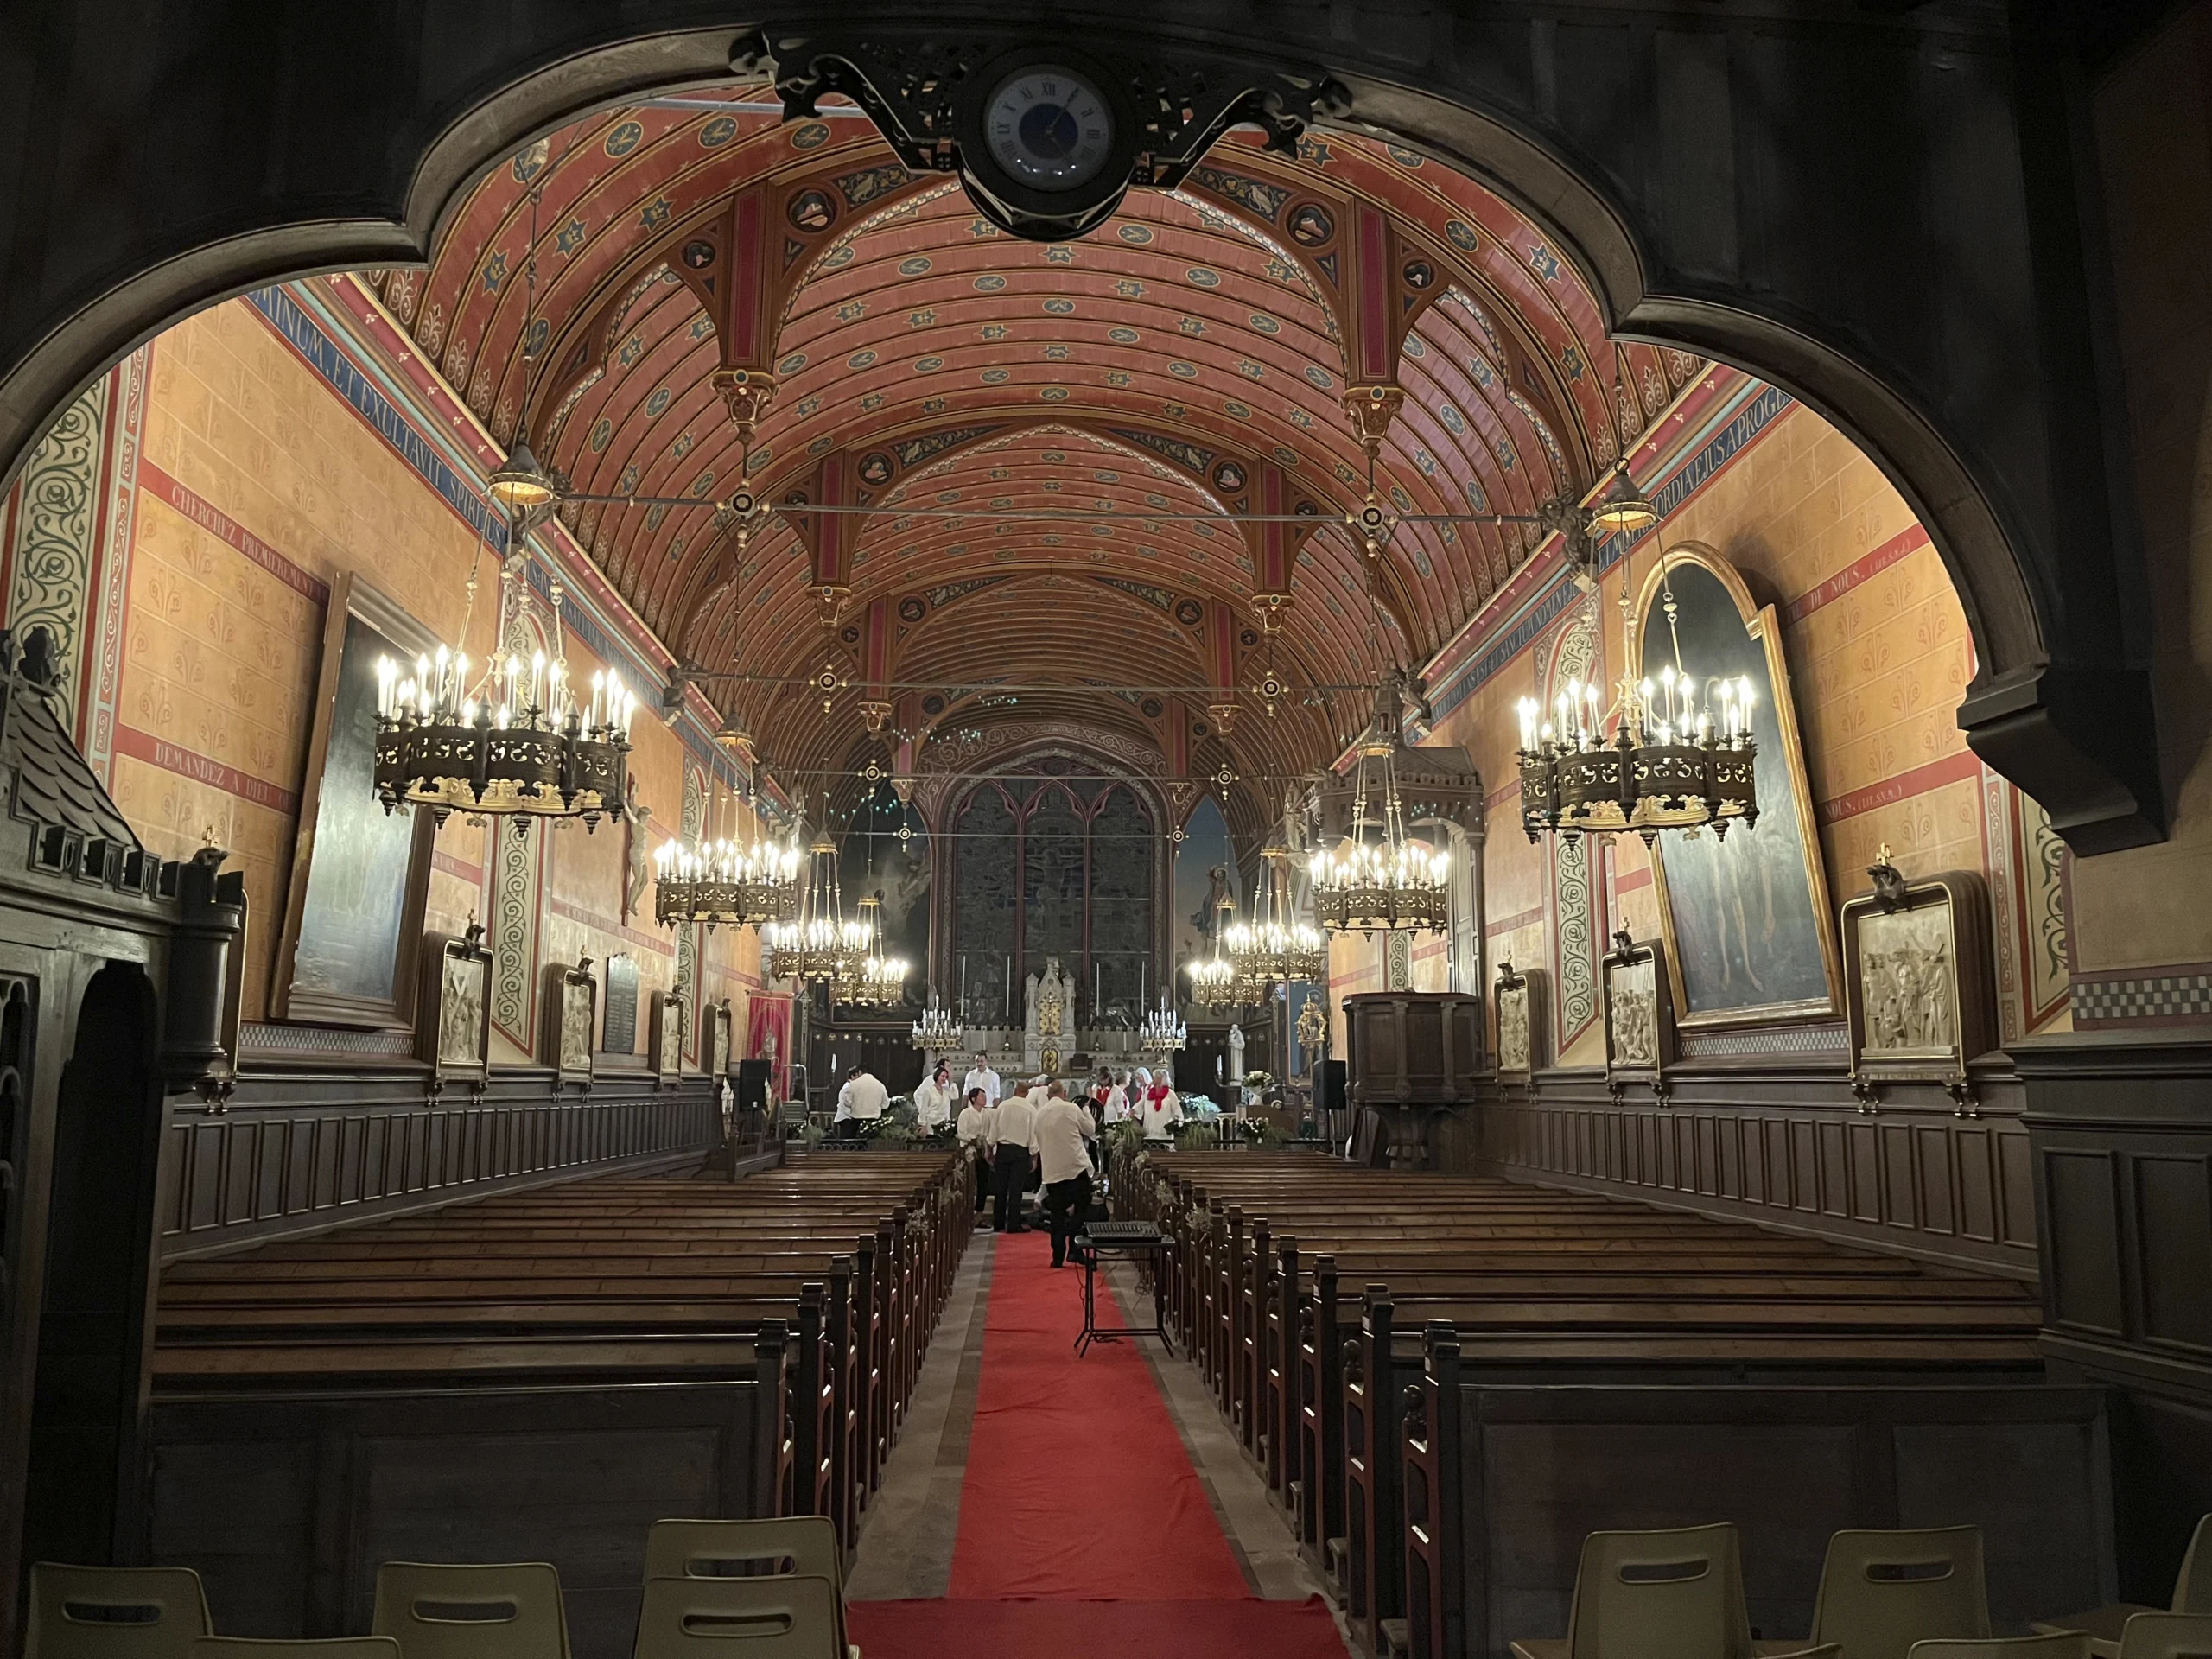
1046	140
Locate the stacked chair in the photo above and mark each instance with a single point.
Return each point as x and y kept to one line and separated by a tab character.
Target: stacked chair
778	1584
105	1612
1679	1594
1676	1594
2107	1627
776	1587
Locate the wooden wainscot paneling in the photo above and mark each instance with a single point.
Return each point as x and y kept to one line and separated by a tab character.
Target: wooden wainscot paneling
1789	1149
1538	1468
306	1151
2121	1144
285	1503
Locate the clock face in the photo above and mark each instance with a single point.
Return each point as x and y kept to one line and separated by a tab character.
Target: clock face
1049	128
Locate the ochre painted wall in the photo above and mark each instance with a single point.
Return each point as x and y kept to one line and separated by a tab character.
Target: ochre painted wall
258	486
1879	656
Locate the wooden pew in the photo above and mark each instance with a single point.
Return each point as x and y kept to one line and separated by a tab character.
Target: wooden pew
778	1320
1532	1286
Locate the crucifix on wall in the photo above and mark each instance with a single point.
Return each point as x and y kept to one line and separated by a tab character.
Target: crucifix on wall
636	816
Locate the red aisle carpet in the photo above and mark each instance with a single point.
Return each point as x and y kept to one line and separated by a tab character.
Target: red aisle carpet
1084	1532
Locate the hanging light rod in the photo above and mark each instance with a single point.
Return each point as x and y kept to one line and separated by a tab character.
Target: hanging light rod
694	676
744	506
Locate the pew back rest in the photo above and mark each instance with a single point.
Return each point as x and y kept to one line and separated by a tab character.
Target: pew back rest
451	1611
1673	1594
1882	1591
109	1612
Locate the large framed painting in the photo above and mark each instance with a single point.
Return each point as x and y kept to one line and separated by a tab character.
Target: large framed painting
454	1033
346	954
1918	979
570	1005
1749	937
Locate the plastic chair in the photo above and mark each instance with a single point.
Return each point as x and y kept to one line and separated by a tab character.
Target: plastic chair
2192	1594
750	1549
1676	1594
782	1618
114	1612
2054	1645
447	1612
2167	1635
1882	1591
334	1647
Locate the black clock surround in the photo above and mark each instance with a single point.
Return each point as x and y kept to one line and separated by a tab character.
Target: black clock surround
931	96
1039	211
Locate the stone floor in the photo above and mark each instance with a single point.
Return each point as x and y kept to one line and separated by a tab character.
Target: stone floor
906	1538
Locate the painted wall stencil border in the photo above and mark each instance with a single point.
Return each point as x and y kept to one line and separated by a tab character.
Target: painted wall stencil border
1762	624
361	330
1698	412
107	604
1768	405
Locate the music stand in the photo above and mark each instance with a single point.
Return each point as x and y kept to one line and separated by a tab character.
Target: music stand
1129	1238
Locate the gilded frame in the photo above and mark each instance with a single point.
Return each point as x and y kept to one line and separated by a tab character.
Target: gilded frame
1764	626
569	1019
719	1023
453	1034
1960	898
1517	999
667	1035
1639	958
352	597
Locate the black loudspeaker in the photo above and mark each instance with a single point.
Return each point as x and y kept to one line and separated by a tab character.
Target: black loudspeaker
752	1085
1329	1086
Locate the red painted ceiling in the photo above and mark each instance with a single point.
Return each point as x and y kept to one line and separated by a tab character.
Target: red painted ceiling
1189	360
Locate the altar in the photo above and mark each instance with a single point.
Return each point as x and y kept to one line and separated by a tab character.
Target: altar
1049	1039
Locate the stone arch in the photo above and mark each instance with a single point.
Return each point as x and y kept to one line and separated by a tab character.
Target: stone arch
1991	426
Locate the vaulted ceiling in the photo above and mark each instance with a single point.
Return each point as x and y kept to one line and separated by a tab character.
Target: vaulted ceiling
1094	486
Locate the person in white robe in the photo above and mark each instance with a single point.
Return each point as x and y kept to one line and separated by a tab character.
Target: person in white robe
933	1099
981	1076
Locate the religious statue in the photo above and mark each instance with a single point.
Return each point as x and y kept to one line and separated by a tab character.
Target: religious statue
1207	917
1236	1055
1048	1006
637	816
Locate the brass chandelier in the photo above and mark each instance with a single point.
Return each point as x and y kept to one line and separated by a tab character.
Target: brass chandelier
519	741
1214	982
881	980
1674	755
723	882
1377	878
1163	1032
1276	947
819	947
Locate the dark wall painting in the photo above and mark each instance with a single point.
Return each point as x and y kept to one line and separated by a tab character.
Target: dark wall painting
1205	869
1748	929
876	858
358	874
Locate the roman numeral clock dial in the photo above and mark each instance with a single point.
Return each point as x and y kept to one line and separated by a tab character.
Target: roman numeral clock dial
1048	151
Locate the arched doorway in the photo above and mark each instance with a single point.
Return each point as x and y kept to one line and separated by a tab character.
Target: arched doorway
99	1221
1673	157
